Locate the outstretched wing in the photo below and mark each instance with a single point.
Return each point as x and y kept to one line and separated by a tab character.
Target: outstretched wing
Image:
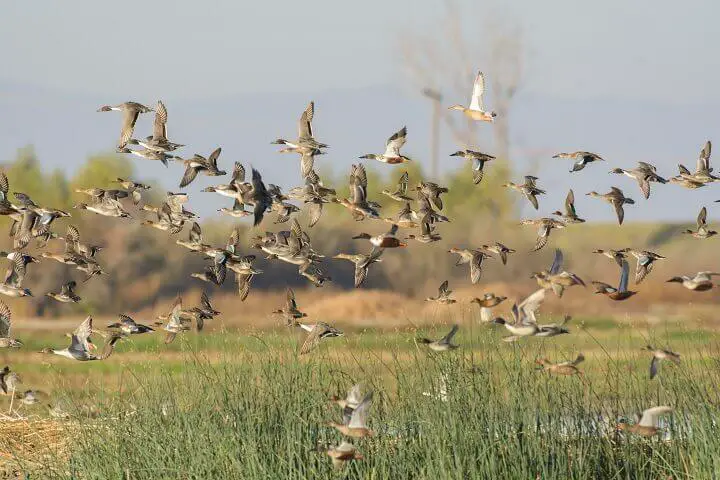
476	102
313	339
624	274
305	122
213	158
530	305
651	415
5	320
358	419
702	217
570	204
160	125
395	142
448	338
557	262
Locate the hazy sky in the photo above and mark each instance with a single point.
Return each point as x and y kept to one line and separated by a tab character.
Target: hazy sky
656	50
633	80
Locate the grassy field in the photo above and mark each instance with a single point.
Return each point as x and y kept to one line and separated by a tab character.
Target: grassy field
242	404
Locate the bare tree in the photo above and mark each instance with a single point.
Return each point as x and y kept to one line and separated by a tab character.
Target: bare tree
447	61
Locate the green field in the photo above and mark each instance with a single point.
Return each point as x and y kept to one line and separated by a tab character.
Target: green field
242	405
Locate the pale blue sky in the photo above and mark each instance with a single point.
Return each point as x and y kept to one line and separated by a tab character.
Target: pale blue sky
632	80
655	50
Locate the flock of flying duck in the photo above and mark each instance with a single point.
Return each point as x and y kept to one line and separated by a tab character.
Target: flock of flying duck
33	222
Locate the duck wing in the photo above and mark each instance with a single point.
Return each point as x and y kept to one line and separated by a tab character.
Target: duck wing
624	275
238	174
358	419
395	142
619	210
16	273
476	267
313	338
305	122
5	320
654	364
190	174
570	204
557	262
160	124
448	338
532	198
68	288
530	305
476	101
213	158
443	290
702	218
703	161
403	182
307	161
644	267
644	184
542	238
651	415
130	116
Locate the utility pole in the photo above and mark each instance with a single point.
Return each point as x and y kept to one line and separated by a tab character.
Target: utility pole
436	98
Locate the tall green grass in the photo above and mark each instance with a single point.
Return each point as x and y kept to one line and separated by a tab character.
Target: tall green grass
263	415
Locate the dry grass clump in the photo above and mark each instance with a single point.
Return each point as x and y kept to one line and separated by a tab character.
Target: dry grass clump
33	445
